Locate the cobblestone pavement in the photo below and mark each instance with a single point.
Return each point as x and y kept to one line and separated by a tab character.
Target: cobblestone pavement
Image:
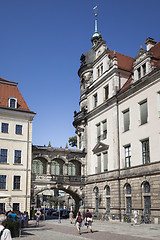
51	229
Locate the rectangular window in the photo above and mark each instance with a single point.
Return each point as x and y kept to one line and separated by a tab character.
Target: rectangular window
19	129
127	156
3	156
105	158
106	92
80	141
126	120
95	100
2	181
101	69
143	112
104	129
17	156
4	128
12	103
108	205
139	73
144	69
2	207
98	132
128	205
145	152
147	205
17	182
16	207
99	163
98	72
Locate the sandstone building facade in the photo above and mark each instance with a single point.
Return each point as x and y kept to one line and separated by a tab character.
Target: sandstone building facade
15	148
118	126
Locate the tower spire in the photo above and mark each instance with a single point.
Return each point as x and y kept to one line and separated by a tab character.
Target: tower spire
95	36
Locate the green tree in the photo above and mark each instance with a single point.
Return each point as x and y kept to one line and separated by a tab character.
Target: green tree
73	141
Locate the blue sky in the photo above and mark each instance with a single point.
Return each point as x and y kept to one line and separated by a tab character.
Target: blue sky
40	47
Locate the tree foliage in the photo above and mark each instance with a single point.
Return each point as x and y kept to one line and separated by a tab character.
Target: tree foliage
73	141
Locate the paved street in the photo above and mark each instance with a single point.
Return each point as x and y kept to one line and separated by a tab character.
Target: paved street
51	229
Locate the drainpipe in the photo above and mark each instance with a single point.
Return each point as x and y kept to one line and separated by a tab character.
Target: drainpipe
119	184
27	167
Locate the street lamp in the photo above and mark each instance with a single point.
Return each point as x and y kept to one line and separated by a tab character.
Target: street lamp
59	216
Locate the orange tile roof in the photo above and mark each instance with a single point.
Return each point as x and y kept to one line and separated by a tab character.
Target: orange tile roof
9	89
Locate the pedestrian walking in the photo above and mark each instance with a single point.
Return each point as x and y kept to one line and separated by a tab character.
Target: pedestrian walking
78	222
135	216
38	215
71	217
5	233
88	221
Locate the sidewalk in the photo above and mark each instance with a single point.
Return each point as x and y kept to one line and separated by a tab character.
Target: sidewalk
50	229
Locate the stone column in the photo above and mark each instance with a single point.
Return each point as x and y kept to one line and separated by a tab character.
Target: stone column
48	168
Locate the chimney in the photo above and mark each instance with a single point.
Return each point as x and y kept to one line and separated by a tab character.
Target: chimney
150	42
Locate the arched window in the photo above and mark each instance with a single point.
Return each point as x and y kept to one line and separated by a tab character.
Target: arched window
71	169
107	190
147	198
96	191
55	168
108	201
38	167
128	189
146	187
128	199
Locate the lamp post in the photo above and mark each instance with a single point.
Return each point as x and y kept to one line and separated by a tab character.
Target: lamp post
59	216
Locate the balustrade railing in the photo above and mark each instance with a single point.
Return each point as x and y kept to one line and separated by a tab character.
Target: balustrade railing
57	178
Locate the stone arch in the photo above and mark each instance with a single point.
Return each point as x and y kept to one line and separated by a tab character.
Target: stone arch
70	190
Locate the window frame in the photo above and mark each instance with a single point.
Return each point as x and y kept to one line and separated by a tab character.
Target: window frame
126	118
5	127
17	156
19	129
95	98
143	120
146	153
10	102
16	184
4	156
3	182
127	153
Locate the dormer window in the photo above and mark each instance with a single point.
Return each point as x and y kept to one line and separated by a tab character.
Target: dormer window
139	72
13	102
144	69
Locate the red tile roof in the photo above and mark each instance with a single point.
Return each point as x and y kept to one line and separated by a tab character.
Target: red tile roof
124	62
9	89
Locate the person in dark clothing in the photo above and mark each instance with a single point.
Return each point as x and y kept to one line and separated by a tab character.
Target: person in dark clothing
89	220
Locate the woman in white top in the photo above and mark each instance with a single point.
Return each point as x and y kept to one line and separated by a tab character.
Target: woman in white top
4	232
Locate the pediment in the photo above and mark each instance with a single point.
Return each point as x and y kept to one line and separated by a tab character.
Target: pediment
99	147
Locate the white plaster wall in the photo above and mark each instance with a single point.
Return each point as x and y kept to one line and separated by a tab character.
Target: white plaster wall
139	132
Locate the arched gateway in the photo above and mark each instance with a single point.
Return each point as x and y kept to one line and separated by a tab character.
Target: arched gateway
57	168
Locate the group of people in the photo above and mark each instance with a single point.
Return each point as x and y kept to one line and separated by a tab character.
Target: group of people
79	221
22	218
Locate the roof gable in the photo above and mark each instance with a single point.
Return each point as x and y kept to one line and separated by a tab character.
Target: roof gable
9	89
99	147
